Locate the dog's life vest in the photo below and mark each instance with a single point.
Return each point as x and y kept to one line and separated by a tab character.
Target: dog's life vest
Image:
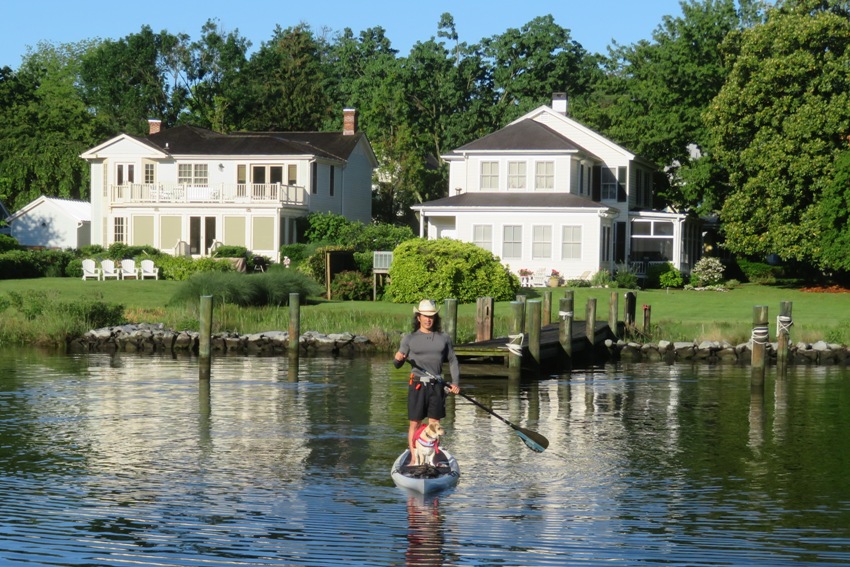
430	442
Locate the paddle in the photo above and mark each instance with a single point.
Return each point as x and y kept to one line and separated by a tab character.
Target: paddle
532	439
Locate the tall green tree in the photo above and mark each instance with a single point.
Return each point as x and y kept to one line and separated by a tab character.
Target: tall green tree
133	79
283	84
44	126
777	126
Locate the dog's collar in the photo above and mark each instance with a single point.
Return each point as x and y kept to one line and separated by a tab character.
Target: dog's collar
431	443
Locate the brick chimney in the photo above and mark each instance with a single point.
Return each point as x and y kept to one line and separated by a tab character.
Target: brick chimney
559	103
349	121
154	126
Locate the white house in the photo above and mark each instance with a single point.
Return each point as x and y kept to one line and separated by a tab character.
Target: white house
52	223
186	190
546	192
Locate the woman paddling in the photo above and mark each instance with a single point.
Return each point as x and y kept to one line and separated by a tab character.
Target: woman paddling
427	348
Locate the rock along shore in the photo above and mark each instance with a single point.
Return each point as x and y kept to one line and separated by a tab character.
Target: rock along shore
155	338
819	352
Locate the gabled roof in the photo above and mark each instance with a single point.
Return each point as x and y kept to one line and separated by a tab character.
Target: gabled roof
191	140
527	135
79	210
520	200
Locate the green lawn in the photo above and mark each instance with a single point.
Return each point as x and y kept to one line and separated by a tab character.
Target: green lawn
675	314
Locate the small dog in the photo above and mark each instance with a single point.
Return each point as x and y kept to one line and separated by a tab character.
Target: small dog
427	443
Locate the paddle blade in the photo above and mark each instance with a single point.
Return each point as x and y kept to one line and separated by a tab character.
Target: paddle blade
534	441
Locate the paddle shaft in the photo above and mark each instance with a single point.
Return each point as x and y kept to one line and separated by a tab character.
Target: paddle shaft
534	440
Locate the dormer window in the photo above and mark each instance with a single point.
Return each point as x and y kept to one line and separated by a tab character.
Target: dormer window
516	175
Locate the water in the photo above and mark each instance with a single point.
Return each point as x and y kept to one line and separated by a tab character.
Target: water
130	460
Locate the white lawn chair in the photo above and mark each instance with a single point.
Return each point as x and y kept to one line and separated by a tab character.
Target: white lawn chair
108	270
90	270
148	270
128	270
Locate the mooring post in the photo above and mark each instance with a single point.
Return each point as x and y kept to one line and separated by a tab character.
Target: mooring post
522	299
629	311
534	323
515	335
484	319
294	325
613	311
590	321
565	328
761	336
205	337
783	332
547	308
450	318
647	316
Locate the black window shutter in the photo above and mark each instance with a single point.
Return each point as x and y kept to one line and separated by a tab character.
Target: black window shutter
621	184
596	184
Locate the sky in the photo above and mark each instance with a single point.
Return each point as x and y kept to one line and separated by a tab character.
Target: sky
593	24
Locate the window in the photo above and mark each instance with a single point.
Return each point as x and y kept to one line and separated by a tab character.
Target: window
482	236
276	174
609	184
541	242
192	174
606	243
119	233
150	177
490	175
544	175
581	179
331	182
571	243
639	198
512	241
516	175
125	174
292	174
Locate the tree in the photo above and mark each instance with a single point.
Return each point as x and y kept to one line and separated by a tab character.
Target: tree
44	126
834	216
282	87
777	126
655	93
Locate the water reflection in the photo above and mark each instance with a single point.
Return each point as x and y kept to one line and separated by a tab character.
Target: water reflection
107	460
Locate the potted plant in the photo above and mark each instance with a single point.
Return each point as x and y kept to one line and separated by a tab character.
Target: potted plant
554	278
524	275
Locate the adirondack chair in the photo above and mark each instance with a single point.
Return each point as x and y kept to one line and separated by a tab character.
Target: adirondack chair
148	270
90	270
108	270
128	270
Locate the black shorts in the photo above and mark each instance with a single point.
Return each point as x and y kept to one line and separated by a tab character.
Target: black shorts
428	400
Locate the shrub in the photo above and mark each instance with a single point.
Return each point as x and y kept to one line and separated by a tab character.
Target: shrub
296	253
759	272
602	278
7	243
181	268
580	282
23	264
351	285
707	272
626	279
269	288
231	252
444	268
664	276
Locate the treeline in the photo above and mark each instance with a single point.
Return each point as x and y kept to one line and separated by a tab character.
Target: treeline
744	103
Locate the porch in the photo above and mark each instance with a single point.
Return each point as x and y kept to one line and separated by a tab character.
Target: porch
222	193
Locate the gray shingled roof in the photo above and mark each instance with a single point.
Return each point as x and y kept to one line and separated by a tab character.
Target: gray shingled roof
525	135
191	140
523	200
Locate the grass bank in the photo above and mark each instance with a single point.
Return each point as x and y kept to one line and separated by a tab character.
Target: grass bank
677	315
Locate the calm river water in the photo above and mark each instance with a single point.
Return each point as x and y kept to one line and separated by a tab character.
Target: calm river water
131	460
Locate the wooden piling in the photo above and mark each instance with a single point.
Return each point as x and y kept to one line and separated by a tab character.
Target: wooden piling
450	318
547	308
534	324
629	308
205	337
760	338
484	319
294	325
590	320
515	335
783	332
613	312
565	327
647	317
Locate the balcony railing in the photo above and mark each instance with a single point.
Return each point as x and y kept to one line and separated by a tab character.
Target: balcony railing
223	193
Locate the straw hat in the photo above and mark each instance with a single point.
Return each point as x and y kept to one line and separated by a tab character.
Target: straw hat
426	307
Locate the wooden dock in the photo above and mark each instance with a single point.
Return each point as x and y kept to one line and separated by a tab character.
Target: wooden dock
490	357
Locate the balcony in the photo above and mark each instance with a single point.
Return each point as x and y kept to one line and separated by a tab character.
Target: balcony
223	193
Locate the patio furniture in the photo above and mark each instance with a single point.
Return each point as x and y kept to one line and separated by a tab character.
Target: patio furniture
90	270
108	270
128	270
148	269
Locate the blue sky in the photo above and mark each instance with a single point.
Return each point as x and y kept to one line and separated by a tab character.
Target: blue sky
593	24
